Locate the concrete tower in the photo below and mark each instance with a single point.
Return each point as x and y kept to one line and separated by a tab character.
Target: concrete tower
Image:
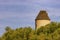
42	19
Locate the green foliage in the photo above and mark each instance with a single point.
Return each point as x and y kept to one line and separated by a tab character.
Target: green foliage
48	32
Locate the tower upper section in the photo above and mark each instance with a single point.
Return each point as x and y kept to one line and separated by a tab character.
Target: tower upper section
42	15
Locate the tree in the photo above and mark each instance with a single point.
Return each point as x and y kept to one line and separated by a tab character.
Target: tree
48	32
8	28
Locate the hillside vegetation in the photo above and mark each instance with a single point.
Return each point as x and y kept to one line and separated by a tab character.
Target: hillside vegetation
48	32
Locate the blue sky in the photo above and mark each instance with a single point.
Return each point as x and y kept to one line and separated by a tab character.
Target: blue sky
22	13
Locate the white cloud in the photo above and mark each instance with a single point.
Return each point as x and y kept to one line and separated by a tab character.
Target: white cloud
18	2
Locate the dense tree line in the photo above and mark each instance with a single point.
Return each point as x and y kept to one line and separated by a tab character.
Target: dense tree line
48	32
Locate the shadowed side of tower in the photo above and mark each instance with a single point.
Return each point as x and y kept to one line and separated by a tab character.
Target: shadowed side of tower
42	19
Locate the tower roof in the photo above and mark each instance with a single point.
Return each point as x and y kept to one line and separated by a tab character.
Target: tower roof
42	15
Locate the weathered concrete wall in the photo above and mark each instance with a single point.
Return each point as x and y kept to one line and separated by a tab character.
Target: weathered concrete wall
39	23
